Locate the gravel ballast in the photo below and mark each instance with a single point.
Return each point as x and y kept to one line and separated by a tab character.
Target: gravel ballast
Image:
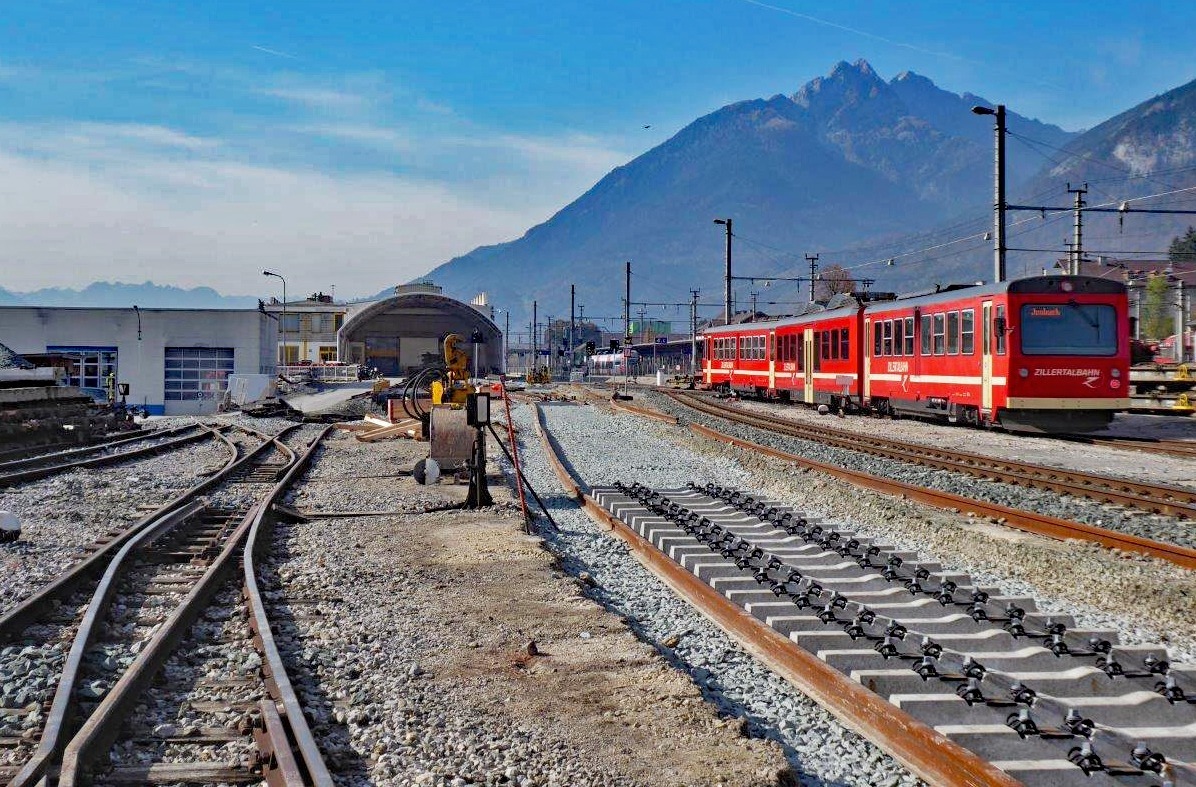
62	514
603	449
1148	601
1134	522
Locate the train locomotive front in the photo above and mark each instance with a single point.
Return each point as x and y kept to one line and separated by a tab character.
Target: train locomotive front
1067	369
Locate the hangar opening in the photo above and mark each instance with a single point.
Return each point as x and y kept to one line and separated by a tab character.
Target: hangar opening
403	333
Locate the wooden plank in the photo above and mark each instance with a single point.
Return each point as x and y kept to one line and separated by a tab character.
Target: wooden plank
181	772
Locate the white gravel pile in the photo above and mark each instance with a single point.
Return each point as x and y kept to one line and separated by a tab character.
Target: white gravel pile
1139	523
62	514
603	449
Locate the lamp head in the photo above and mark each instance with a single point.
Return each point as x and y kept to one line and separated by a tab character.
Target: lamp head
720	221
978	110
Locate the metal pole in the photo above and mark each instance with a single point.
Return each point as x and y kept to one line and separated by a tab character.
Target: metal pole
693	334
727	283
535	342
572	322
1077	241
1179	321
627	307
506	347
999	212
813	260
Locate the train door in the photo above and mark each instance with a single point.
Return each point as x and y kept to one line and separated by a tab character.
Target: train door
866	343
772	360
808	366
986	357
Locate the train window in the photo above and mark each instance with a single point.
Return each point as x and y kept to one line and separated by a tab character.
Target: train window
967	331
939	327
898	336
925	328
909	335
952	333
887	346
876	338
998	322
845	344
817	350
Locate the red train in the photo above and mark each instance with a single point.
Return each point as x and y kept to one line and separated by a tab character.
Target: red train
1042	354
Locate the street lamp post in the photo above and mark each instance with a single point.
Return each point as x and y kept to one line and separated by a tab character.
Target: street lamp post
998	187
283	321
727	285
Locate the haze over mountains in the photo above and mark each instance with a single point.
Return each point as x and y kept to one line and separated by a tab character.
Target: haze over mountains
851	166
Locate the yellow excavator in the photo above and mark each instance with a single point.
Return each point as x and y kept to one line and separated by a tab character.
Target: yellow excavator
455	387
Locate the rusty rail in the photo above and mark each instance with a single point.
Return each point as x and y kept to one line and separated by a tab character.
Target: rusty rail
34	473
279	760
1023	520
928	754
1156	498
101	728
28	611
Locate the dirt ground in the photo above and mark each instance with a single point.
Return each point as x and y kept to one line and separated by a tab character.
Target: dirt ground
477	591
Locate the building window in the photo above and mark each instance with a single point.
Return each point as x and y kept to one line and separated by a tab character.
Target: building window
327	352
288	323
91	366
194	373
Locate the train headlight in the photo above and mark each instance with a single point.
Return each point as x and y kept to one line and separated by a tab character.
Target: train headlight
1116	372
1023	372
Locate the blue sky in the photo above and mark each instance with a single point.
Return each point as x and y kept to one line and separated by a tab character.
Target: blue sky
361	144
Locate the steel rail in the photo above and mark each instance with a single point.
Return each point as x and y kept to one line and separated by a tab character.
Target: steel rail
1155	498
299	734
28	611
55	730
927	753
141	434
34	473
102	727
1061	529
643	411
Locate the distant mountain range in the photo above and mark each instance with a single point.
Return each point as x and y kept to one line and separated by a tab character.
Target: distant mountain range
850	166
119	294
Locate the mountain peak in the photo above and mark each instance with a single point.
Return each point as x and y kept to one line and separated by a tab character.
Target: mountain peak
850	82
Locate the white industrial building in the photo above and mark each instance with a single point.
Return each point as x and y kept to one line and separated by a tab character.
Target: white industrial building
175	361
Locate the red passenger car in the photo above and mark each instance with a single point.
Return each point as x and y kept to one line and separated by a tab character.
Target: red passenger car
1044	354
814	358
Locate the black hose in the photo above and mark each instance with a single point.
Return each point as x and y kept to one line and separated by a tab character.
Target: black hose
523	478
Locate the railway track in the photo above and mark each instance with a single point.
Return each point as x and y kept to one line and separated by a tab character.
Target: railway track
44	465
1164	499
961	683
1150	445
100	644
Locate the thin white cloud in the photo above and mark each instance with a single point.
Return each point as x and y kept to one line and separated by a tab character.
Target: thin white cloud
124	210
319	98
377	137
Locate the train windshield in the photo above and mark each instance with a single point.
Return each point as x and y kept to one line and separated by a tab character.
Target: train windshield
1069	328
